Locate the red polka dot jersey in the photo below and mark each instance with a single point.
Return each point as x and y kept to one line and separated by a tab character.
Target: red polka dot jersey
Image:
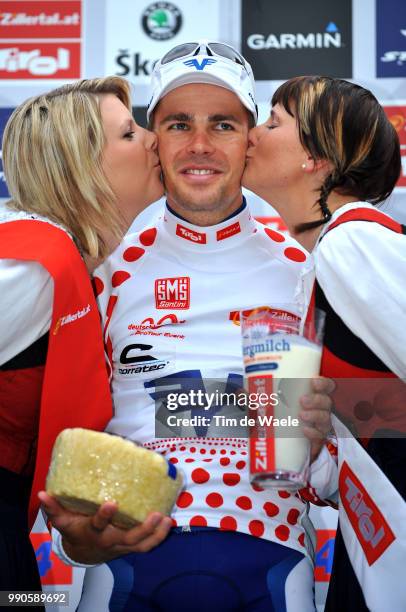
167	297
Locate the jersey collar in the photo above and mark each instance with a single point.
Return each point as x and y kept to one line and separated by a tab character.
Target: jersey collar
229	232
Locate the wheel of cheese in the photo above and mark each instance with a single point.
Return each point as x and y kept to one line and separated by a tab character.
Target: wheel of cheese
89	467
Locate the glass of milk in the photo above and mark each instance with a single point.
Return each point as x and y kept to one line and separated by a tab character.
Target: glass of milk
281	353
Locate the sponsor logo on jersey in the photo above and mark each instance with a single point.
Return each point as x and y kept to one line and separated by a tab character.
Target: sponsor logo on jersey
148	327
235	315
370	526
172	293
229	231
137	359
189	234
149	322
161	20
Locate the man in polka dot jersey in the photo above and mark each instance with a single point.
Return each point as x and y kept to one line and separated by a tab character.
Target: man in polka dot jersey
168	298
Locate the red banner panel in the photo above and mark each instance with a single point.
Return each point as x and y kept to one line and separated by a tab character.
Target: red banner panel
40	60
40	19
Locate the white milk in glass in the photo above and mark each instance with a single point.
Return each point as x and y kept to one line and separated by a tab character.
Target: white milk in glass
280	364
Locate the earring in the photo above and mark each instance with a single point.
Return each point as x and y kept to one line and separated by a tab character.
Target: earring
304	166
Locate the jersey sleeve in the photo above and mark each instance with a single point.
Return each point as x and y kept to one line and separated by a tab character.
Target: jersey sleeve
361	267
26	291
58	549
102	287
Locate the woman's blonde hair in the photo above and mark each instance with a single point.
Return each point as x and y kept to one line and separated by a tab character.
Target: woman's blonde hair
52	160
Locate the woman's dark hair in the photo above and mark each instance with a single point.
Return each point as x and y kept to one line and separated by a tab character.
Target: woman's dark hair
343	123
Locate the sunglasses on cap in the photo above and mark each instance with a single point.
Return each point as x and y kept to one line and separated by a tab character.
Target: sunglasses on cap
210	48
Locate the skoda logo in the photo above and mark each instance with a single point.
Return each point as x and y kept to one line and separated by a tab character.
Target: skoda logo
161	20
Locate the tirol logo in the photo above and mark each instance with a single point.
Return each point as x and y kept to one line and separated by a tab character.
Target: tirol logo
370	526
189	234
39	60
161	20
172	293
282	40
390	38
194	63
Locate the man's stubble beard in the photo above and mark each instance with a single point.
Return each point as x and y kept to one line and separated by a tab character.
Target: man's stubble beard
216	202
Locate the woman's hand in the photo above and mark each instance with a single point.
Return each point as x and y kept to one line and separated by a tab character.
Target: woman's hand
94	539
316	414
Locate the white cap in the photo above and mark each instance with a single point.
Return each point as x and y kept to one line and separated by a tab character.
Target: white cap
212	69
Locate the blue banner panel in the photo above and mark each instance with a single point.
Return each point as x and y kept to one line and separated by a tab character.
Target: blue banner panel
4	115
390	38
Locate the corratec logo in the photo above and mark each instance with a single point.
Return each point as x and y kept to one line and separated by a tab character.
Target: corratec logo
161	20
136	359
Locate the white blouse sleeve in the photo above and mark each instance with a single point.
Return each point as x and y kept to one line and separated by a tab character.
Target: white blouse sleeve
361	267
26	296
324	475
